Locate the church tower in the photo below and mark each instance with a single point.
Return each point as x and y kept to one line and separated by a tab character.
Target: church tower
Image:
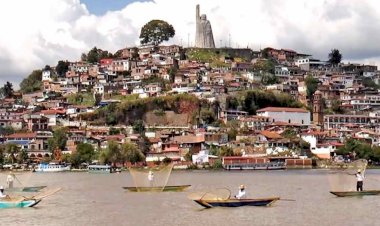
317	108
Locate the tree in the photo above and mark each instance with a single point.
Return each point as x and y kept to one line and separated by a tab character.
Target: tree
22	156
226	151
138	127
58	140
131	153
7	90
311	86
155	32
335	57
32	83
62	67
12	150
84	153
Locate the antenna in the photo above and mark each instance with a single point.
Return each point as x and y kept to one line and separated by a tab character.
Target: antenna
188	40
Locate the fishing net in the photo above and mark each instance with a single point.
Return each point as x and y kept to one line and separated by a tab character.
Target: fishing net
344	179
151	178
215	194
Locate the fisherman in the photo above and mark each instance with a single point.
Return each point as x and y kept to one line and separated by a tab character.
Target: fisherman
241	194
359	179
2	195
151	178
10	178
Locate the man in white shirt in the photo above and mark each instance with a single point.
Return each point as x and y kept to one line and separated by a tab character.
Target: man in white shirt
10	179
2	195
241	194
359	181
151	178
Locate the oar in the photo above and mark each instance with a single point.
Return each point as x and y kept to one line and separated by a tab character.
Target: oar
44	195
18	181
291	200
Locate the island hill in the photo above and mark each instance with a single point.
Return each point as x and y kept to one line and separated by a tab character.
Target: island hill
193	106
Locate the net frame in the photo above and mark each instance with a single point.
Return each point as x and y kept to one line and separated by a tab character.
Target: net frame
151	178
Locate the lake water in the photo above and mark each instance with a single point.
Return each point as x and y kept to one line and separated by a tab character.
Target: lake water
98	199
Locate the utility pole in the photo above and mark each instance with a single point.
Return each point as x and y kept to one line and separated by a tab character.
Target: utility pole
188	40
220	43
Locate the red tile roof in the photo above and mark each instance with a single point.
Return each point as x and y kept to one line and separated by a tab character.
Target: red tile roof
281	109
270	135
21	135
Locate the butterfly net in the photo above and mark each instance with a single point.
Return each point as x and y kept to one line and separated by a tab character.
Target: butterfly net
151	178
344	179
219	194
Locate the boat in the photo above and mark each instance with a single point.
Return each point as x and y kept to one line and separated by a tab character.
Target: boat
100	169
52	167
256	166
174	188
18	203
25	189
236	202
355	193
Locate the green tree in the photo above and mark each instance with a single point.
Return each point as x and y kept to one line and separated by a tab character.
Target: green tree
311	86
368	82
155	32
84	154
268	79
335	57
12	150
131	153
62	67
32	83
22	156
226	151
7	90
58	140
138	127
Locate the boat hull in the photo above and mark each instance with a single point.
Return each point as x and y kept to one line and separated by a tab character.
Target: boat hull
25	189
18	204
53	170
158	189
355	193
236	202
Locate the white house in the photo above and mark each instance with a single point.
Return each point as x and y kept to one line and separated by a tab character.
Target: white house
289	115
46	75
321	150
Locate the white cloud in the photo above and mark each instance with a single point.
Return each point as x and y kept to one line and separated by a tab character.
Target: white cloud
45	31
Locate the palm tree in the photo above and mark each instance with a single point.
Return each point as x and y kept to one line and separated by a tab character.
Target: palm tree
12	150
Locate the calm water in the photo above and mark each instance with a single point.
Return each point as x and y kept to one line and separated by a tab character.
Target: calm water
95	199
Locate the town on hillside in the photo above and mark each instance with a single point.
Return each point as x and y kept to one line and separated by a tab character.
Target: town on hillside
194	106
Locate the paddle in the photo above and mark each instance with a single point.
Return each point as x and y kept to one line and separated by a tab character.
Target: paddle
291	200
44	195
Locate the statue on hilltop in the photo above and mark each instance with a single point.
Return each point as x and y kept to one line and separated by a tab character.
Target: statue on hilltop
203	32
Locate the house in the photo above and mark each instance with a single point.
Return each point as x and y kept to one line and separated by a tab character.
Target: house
289	115
191	142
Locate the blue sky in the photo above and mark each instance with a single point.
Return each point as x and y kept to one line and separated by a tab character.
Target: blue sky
100	7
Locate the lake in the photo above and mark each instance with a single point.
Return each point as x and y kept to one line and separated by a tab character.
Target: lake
98	199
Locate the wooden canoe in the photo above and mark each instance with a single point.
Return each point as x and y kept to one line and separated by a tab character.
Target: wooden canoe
236	202
4	203
25	189
355	193
174	188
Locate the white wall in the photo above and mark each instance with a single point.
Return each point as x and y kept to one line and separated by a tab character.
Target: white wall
289	117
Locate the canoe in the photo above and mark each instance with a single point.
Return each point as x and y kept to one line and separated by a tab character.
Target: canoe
355	193
25	189
4	204
157	189
236	202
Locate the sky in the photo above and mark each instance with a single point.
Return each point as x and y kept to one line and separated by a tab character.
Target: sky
44	31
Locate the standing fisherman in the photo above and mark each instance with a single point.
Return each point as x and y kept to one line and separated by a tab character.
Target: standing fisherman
359	181
151	178
10	179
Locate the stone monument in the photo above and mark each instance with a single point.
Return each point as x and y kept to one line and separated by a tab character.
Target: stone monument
203	31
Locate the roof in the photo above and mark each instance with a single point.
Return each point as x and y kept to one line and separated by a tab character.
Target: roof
282	109
189	139
53	112
22	135
270	135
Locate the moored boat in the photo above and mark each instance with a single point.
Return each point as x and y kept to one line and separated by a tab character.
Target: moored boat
355	193
100	169
18	203
52	167
175	188
25	189
236	202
